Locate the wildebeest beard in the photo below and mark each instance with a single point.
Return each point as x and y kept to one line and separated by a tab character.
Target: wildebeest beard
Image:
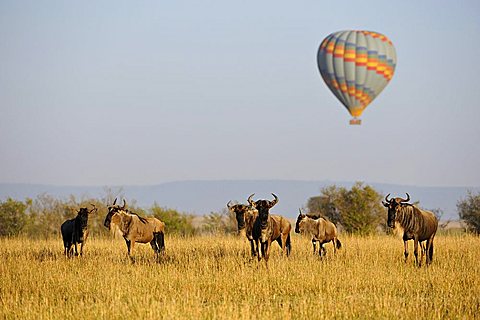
108	219
263	216
241	223
83	222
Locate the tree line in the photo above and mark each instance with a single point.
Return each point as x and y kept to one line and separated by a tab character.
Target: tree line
357	210
42	217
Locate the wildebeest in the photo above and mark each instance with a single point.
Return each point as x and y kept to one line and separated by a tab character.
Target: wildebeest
245	216
418	225
320	229
267	228
136	229
75	231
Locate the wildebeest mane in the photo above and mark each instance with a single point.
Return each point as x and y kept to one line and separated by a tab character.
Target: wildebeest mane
412	220
142	219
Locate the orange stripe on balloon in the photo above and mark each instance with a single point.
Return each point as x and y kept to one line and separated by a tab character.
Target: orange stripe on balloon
339	51
330	47
351	91
349	56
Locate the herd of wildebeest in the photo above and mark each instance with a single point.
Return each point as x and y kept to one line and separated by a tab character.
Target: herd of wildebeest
259	226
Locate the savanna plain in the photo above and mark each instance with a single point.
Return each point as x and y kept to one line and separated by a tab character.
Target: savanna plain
213	277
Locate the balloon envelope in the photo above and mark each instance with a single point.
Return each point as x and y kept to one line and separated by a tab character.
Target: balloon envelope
356	66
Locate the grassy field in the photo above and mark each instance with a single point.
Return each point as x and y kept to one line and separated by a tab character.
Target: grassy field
214	278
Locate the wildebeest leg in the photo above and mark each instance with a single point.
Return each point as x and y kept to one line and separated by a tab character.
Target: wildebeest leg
429	250
262	247
65	248
155	247
321	250
160	238
257	245
405	246
334	241
252	247
84	242
267	251
314	243
81	247
288	245
129	248
68	249
153	243
415	251
422	250
76	250
280	242
284	243
132	244
128	245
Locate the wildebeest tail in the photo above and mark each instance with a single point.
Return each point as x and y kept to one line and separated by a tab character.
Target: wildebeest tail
338	243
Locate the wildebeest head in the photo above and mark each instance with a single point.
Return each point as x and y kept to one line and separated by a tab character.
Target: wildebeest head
114	208
300	218
82	216
239	210
394	205
263	206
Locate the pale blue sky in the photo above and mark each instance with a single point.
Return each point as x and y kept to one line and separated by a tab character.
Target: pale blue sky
144	92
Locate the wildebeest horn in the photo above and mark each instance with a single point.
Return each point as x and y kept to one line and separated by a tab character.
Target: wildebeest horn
386	203
228	204
406	200
250	199
386	198
124	204
274	202
114	202
94	208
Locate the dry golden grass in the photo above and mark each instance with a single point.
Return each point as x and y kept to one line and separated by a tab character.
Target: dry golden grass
214	277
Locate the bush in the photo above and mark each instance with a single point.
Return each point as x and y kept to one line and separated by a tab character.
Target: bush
12	217
223	222
357	210
175	222
469	211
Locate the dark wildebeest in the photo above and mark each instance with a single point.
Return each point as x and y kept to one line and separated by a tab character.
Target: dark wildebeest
418	225
75	231
245	216
320	229
267	228
136	229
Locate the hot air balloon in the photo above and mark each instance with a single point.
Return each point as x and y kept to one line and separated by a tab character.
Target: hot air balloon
356	66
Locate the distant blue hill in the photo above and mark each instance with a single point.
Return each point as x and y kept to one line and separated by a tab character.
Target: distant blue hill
203	197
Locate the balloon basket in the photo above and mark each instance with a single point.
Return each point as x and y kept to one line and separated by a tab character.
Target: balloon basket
355	121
